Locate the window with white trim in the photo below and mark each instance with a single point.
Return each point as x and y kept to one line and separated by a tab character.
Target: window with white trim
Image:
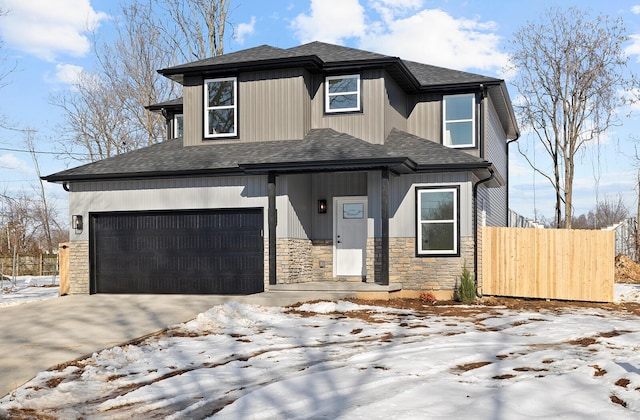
178	126
437	224
220	107
459	116
342	93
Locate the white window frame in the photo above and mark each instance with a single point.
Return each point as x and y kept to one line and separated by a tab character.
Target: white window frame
207	108
455	221
445	140
175	125
327	95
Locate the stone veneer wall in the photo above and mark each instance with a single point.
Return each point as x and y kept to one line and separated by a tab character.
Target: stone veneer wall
79	268
322	260
427	273
374	255
294	260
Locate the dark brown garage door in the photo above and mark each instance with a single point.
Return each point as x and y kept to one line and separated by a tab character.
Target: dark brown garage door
191	252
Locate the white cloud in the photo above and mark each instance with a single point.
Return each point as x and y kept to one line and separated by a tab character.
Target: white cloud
330	21
402	28
389	9
50	28
635	10
12	163
68	73
244	29
435	37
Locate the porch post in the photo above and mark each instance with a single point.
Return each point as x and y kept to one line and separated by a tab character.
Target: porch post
272	219
384	240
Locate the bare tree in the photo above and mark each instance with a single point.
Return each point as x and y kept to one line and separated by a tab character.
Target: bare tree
571	68
610	211
4	71
195	28
105	111
41	212
96	125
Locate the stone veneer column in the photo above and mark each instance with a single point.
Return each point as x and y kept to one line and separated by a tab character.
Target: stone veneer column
294	260
79	268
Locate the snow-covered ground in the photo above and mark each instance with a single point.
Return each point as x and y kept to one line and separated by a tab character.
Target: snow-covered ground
344	361
27	289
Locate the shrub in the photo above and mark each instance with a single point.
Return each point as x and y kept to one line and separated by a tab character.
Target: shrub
428	297
467	289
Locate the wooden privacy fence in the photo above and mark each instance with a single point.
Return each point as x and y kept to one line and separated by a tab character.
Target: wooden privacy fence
548	263
63	254
30	265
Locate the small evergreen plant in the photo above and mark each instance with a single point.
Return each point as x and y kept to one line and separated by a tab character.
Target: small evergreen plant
467	288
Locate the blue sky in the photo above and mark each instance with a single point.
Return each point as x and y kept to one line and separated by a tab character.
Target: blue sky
48	42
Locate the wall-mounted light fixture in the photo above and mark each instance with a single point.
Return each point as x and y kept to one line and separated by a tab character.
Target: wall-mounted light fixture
322	206
76	220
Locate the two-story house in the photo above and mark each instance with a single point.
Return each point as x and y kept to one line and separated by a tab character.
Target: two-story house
317	163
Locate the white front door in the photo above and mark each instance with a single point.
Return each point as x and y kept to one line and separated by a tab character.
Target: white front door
350	236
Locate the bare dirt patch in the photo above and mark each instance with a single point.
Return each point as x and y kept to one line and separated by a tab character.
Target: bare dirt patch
505	376
615	399
627	270
489	306
469	366
599	371
623	382
584	342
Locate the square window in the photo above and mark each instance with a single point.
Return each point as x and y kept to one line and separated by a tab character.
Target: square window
437	214
220	113
342	93
459	120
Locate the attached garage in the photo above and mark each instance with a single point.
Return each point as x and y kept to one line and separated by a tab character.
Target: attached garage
189	252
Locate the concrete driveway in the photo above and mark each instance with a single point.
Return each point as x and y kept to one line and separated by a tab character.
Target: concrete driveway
37	336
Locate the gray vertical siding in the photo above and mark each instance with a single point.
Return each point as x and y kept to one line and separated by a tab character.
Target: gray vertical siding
495	140
168	194
193	109
300	207
496	153
403	203
425	116
494	203
395	115
329	185
368	124
272	105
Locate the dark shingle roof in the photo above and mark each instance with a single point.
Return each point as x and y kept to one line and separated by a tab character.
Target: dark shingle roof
428	153
321	149
321	55
428	75
331	54
262	52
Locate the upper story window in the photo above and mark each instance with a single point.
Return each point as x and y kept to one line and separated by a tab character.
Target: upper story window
220	107
342	93
459	116
437	210
178	126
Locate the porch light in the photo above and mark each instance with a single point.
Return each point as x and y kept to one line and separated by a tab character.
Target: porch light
77	223
322	206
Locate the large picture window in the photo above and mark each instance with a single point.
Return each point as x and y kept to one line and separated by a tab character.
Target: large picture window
342	93
459	115
437	224
220	107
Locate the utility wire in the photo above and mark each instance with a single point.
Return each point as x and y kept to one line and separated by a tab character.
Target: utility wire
7	149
